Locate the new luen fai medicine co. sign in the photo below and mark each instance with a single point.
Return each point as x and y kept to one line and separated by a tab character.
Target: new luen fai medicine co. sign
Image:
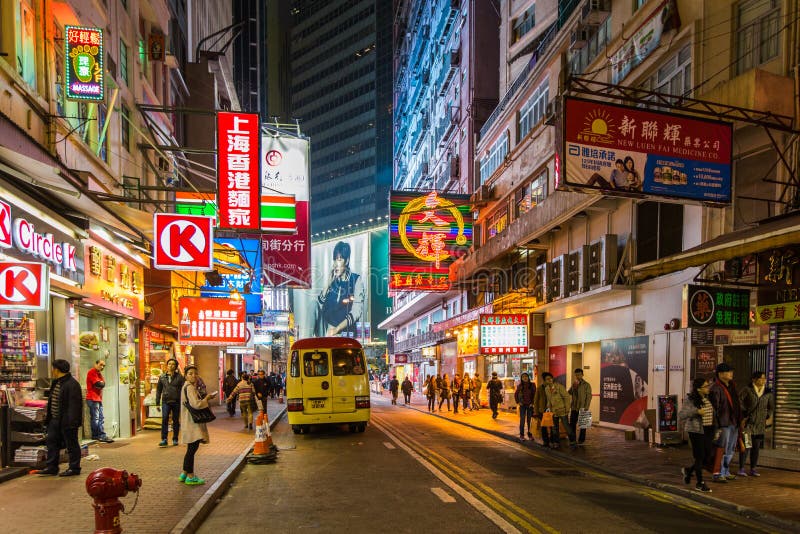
84	68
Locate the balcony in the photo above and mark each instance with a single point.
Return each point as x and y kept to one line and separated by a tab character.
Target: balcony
755	89
426	339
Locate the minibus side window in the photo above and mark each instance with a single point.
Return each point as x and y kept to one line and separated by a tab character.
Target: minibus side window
348	362
295	366
315	363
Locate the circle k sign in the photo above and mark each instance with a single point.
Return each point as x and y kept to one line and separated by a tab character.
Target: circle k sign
183	242
23	285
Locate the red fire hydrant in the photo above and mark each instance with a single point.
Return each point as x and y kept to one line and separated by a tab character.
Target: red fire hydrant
105	486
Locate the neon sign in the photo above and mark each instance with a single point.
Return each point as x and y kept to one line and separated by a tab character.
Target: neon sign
84	69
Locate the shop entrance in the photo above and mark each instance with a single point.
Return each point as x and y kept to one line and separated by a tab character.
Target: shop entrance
745	359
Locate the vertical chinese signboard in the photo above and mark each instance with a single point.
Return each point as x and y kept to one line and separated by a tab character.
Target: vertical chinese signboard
113	281
717	307
84	69
284	216
238	170
625	151
778	285
504	333
427	232
211	321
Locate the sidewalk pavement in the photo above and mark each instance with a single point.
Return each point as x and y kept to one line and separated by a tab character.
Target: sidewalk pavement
49	504
772	497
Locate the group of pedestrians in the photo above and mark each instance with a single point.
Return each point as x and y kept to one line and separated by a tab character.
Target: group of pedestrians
464	390
721	421
251	392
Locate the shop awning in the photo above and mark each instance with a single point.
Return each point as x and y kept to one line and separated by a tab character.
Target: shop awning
771	234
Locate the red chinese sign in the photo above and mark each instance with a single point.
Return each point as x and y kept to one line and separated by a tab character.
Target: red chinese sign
211	321
503	333
428	232
183	242
238	174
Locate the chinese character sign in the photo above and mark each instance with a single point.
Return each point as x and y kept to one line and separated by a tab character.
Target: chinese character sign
427	232
239	263
717	307
623	380
84	68
503	333
284	215
625	151
238	170
211	321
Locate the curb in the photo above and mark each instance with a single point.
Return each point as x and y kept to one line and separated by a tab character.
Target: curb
750	513
192	520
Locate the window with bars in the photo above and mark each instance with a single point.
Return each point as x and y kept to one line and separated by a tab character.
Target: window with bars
596	42
530	195
534	109
524	24
123	61
757	34
497	222
492	161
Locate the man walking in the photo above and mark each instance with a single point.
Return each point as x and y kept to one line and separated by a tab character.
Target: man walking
94	400
539	407
407	388
168	395
476	392
228	386
558	402
393	387
244	389
64	418
495	389
725	401
581	394
262	387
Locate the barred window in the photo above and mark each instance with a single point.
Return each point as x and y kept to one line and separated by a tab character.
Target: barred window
534	109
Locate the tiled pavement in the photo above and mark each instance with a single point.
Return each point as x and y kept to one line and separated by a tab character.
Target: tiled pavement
33	504
773	496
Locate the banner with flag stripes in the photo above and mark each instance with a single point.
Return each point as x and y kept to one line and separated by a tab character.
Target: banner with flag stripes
278	213
193	203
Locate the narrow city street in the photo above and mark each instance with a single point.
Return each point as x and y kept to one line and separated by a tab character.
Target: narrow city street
412	472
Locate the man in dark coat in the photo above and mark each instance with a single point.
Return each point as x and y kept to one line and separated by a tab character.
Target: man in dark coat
393	387
64	418
168	395
407	388
228	385
727	416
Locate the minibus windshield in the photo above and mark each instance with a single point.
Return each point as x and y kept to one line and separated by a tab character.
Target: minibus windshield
348	362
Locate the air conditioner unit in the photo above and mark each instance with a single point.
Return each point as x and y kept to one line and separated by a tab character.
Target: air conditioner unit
540	285
602	261
595	12
455	57
556	278
578	271
578	38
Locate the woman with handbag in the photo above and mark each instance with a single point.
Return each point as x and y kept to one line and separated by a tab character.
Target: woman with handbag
757	404
444	392
698	415
193	433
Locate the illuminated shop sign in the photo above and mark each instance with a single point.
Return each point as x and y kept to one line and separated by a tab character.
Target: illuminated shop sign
113	282
212	321
238	167
22	234
84	57
503	333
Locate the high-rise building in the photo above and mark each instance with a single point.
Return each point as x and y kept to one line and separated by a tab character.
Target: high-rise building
341	93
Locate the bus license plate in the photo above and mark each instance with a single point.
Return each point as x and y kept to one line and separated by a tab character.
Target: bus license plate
318	403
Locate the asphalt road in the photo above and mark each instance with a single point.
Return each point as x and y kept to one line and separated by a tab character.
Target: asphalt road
413	472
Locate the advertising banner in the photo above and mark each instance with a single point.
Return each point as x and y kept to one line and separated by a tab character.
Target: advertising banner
779	275
644	40
338	302
284	211
238	176
427	233
504	333
625	151
192	203
84	69
705	361
211	321
623	380
239	262
667	413
557	363
716	307
778	313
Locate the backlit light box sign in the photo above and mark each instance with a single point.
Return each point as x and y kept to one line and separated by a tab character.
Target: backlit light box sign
84	68
503	333
211	321
238	169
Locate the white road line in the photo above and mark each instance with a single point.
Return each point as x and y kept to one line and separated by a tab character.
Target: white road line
388	445
490	514
443	495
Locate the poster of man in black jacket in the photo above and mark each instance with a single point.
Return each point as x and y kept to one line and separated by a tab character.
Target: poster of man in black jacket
64	418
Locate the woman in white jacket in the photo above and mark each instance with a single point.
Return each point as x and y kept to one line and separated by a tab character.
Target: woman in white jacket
192	434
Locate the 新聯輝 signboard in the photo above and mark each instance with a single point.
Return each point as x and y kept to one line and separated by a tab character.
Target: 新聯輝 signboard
502	333
717	307
428	232
238	176
626	151
84	68
211	321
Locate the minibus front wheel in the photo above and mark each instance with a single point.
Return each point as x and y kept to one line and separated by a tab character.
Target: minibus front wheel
296	429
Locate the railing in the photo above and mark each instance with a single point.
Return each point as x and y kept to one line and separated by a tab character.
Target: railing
421	340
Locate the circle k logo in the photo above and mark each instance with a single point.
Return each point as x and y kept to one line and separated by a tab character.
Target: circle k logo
22	285
183	241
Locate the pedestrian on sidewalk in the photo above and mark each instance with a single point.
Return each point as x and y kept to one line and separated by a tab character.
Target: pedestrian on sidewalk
698	416
261	389
228	385
456	389
168	394
444	391
581	395
393	386
430	392
94	400
558	402
466	391
539	407
407	388
244	389
63	418
524	398
476	392
758	403
495	389
193	433
727	417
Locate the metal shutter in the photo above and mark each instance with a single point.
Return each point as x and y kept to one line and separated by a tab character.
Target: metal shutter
787	388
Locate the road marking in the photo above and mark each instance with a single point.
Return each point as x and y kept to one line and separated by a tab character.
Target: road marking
490	514
388	445
442	494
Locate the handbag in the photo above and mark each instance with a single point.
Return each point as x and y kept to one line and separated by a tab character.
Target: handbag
747	439
547	420
199	415
584	419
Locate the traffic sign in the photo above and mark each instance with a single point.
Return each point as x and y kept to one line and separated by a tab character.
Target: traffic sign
24	286
183	242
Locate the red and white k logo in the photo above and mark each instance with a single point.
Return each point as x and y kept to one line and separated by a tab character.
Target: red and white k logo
183	242
5	225
23	285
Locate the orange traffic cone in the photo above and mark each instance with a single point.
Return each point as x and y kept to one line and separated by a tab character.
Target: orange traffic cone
263	441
